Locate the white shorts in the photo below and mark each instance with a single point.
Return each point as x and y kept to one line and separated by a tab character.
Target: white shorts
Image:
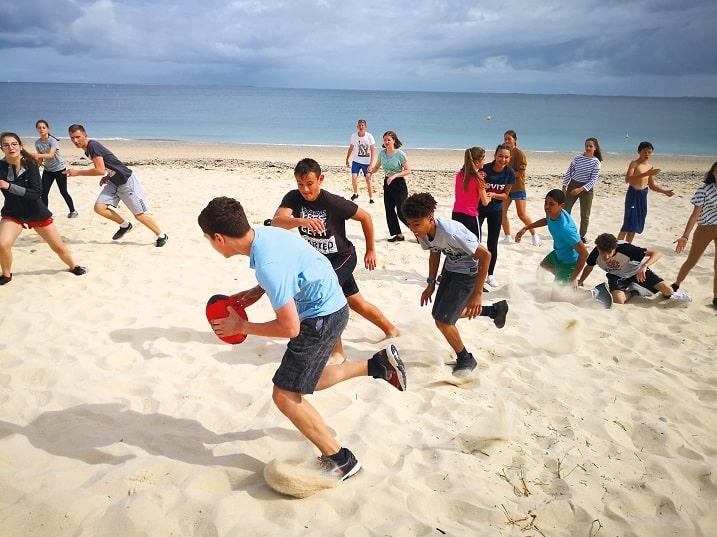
130	193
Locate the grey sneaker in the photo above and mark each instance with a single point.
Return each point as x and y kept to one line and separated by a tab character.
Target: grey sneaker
394	372
639	289
351	467
681	296
122	231
73	214
464	367
602	295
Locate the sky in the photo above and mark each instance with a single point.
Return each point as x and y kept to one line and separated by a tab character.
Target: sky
607	47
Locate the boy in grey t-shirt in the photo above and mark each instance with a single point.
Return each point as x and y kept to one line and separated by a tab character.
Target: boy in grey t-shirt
460	290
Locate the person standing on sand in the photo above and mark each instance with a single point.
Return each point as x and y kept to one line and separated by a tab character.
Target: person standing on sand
518	163
310	309
21	187
321	218
579	182
704	214
118	183
362	152
469	190
48	153
640	178
396	168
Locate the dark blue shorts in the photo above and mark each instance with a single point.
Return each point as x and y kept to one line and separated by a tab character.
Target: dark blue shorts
306	354
357	166
635	210
452	296
518	195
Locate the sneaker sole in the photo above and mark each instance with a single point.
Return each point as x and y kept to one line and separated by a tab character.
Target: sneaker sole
500	317
355	470
604	295
395	360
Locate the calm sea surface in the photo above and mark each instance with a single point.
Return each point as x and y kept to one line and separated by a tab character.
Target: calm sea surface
327	117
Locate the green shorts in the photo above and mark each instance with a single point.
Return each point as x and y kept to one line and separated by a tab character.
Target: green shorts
563	271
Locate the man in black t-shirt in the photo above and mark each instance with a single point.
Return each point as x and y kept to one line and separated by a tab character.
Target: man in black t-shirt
321	218
118	183
627	270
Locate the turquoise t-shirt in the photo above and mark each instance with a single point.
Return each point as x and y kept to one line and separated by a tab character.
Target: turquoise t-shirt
289	267
394	163
565	236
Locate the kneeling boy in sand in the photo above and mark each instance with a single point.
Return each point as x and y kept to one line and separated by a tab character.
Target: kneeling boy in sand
567	259
640	177
460	290
627	270
321	218
310	310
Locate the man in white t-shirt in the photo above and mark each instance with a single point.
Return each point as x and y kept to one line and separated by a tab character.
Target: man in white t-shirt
362	151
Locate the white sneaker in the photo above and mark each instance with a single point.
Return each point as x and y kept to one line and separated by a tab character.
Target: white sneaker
536	240
681	296
507	240
490	280
639	289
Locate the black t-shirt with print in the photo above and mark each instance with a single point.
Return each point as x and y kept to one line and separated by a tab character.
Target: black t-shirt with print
496	182
333	211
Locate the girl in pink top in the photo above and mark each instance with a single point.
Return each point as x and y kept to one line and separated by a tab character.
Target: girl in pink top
469	189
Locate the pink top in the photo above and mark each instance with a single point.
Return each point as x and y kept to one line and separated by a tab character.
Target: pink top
466	201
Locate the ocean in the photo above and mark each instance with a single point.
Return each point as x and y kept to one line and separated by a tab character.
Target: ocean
683	126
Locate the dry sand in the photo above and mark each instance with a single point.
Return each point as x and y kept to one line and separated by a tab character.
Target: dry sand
122	414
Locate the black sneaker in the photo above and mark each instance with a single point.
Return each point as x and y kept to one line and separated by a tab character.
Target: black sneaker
675	286
161	241
122	231
78	270
371	200
351	467
465	366
267	222
5	279
397	238
354	197
501	310
394	372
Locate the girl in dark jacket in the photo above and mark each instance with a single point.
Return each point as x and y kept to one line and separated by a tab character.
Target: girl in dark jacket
21	186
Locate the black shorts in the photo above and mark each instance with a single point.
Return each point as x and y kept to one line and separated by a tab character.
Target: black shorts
621	284
306	354
452	296
344	266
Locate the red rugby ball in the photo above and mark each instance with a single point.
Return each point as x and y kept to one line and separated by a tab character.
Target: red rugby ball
217	309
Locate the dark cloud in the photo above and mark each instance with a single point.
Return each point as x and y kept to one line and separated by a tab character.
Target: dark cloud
461	45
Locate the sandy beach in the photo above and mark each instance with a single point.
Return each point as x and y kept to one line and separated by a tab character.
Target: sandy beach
121	413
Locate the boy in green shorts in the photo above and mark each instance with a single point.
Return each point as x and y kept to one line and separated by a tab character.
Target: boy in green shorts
569	254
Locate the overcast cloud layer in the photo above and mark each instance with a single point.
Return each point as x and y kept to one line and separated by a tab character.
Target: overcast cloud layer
615	47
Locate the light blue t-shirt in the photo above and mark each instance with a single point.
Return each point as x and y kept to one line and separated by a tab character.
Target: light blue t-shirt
394	163
288	267
565	236
458	244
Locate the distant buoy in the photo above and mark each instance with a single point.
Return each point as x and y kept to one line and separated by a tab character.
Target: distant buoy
627	135
488	118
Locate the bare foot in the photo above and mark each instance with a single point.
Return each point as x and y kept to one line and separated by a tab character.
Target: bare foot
394	332
336	359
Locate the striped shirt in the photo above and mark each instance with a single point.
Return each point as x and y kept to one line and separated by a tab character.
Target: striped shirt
583	170
706	199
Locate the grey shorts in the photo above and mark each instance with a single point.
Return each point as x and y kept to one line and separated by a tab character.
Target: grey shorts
130	193
306	354
452	296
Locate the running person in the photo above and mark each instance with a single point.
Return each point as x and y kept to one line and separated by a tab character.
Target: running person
518	163
118	183
499	180
362	152
460	290
704	214
321	218
48	153
21	187
310	309
579	182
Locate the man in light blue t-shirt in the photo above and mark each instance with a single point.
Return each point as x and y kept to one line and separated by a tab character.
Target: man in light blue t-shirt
310	309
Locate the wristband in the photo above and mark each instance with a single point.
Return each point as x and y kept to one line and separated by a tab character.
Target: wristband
431	281
683	237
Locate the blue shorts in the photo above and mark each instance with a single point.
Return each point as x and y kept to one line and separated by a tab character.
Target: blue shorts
518	195
635	210
356	166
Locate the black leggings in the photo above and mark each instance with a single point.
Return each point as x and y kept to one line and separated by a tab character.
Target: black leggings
393	197
47	179
495	219
471	222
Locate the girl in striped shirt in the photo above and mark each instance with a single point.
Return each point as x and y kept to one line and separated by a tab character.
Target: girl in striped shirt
704	213
579	182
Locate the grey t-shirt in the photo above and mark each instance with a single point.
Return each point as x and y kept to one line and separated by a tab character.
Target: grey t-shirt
55	164
458	244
